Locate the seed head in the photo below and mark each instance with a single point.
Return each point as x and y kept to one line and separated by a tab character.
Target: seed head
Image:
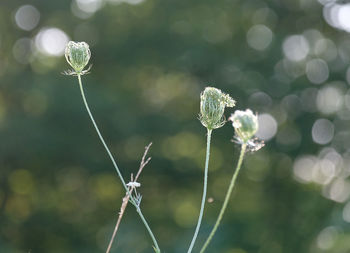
212	107
78	55
245	124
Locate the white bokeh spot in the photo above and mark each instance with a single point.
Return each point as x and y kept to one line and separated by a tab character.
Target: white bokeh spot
51	41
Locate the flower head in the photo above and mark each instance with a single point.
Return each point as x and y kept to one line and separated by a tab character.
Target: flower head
212	107
245	124
77	55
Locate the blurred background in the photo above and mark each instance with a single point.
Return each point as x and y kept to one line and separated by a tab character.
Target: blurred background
286	60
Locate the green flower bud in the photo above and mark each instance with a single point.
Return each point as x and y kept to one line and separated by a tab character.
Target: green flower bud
212	107
245	124
77	55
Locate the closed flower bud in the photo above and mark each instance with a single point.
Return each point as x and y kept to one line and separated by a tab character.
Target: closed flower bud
212	107
77	55
245	124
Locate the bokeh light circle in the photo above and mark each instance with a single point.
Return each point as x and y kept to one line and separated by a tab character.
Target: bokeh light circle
51	41
27	17
259	37
267	127
296	47
322	131
317	71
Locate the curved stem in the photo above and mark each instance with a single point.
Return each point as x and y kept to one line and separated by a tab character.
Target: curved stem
115	164
148	229
204	192
227	198
100	135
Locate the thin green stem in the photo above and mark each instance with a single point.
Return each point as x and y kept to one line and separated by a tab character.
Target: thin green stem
115	165
204	192
149	229
100	135
227	198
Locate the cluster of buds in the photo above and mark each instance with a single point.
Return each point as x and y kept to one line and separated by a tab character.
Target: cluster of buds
212	107
77	55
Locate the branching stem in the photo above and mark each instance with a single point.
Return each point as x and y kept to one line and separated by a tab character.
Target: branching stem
126	198
132	200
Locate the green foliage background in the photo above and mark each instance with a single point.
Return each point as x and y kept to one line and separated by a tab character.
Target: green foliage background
58	189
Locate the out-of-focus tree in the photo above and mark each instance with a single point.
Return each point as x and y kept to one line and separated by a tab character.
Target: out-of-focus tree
287	60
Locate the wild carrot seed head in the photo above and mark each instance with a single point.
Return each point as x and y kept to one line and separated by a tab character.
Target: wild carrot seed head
245	124
77	55
212	107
